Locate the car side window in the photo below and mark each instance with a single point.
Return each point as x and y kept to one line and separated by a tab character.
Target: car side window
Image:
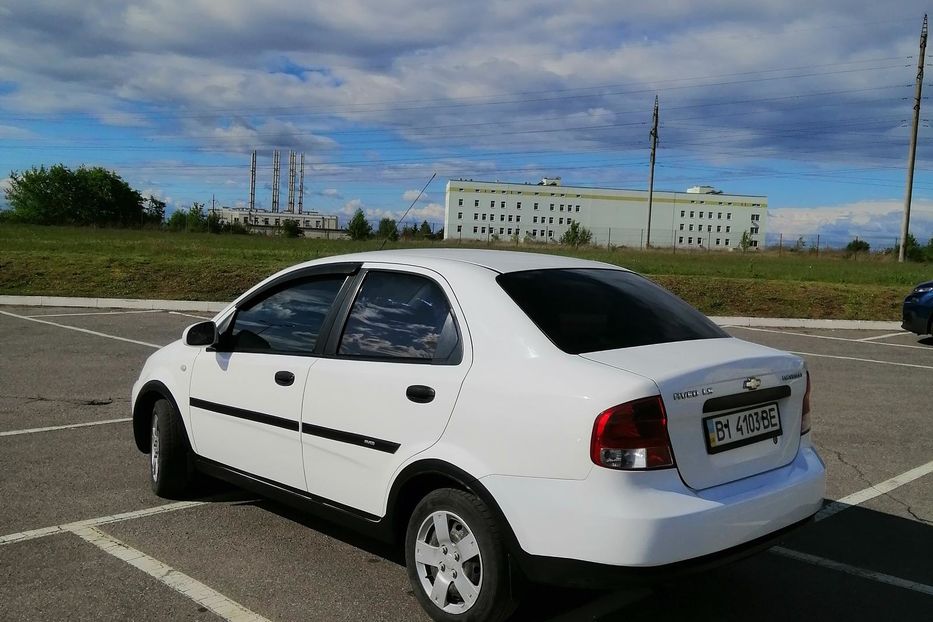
400	316
288	320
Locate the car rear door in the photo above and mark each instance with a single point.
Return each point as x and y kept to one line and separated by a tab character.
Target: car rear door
246	393
387	385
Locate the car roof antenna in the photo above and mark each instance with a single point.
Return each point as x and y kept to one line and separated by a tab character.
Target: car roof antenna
402	219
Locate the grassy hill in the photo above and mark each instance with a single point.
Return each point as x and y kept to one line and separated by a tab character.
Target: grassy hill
157	264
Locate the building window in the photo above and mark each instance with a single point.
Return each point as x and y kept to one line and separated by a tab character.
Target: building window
691	227
501	217
459	201
682	212
754	243
510	230
709	228
718	228
727	241
536	206
691	213
265	221
561	207
711	213
459	215
719	216
728	228
717	241
475	202
578	209
681	226
484	230
755	217
680	240
753	230
569	220
518	218
552	207
474	229
550	232
475	216
700	215
518	205
689	240
459	228
550	220
484	216
492	203
502	204
534	219
560	221
501	230
728	215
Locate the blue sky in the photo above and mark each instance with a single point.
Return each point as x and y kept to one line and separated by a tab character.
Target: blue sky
805	102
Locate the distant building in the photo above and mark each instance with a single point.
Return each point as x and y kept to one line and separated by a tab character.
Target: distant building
701	217
312	224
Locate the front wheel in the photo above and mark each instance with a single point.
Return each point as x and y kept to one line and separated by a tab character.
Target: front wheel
168	453
456	559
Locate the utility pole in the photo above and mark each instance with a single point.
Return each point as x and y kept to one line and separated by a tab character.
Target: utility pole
912	150
252	182
276	171
654	146
291	182
301	182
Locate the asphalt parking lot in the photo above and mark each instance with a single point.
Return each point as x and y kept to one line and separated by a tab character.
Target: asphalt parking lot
82	536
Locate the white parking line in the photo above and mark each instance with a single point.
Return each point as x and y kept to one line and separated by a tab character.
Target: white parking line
80	330
200	317
180	582
100	520
876	343
852	358
883	336
853	570
875	490
63	427
94	313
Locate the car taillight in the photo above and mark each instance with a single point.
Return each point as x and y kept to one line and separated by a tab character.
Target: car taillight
632	436
805	411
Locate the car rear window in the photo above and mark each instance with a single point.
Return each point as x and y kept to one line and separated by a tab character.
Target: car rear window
588	310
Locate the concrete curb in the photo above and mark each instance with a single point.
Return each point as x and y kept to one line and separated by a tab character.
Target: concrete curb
113	303
213	307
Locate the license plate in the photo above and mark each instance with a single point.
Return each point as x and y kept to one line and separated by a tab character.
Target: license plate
742	427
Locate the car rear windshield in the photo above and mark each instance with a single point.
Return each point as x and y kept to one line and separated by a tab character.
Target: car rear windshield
588	310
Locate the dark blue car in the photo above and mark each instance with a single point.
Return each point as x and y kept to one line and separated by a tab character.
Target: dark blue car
918	310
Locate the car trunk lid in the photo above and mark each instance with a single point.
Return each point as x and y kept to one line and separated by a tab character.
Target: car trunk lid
705	378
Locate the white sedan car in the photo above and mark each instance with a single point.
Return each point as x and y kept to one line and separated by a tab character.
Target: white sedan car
497	414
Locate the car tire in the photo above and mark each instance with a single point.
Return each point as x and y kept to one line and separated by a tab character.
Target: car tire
168	452
461	575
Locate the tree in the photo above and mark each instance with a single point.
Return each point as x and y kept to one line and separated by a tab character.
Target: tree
154	210
913	250
358	227
858	246
196	220
61	196
178	221
408	232
388	229
424	231
576	235
290	228
746	242
214	224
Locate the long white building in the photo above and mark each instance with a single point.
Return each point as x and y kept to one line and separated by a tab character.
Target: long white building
701	217
312	224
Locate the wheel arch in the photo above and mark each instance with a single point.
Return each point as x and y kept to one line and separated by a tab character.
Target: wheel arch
149	394
419	478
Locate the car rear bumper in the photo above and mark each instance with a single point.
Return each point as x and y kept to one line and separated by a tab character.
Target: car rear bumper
648	520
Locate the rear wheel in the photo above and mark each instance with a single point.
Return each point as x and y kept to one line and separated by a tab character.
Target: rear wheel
456	560
168	452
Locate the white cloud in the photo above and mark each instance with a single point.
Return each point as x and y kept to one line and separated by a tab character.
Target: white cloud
350	207
330	193
411	195
9	132
879	222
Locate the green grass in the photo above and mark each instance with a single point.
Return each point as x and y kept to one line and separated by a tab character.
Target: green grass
157	264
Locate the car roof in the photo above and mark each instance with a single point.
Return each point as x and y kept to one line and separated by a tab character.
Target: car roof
496	260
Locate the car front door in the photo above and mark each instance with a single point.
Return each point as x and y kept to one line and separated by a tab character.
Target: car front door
386	387
246	392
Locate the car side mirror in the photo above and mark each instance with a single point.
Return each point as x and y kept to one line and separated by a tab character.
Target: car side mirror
201	334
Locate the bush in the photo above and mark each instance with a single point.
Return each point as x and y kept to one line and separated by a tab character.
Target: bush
576	235
858	246
290	228
358	227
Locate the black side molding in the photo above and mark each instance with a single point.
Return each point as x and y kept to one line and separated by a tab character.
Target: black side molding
738	400
242	413
349	437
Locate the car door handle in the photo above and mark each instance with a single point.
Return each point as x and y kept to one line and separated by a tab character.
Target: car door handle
284	378
420	394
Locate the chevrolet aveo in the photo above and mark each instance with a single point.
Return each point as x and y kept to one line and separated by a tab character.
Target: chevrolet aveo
498	415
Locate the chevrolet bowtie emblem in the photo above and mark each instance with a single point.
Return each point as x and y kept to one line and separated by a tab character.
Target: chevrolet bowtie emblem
751	383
